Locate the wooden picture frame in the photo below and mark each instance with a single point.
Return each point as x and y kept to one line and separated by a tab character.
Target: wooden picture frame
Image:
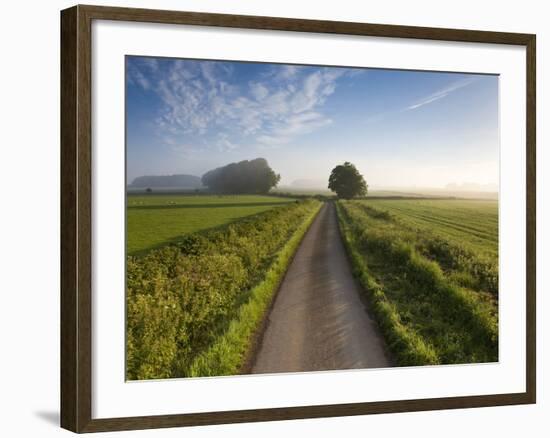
76	217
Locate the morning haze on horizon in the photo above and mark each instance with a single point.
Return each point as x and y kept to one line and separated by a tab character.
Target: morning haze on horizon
402	129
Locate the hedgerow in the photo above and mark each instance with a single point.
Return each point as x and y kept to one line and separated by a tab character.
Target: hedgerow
181	299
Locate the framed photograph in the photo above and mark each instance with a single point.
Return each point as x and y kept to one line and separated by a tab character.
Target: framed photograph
270	218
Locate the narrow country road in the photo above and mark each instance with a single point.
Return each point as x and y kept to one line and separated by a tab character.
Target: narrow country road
318	321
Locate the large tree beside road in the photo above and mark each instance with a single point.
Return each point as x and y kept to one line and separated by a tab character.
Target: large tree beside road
346	181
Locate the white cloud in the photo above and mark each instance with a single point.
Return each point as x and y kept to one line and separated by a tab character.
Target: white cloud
185	150
287	71
142	81
137	77
224	144
151	64
135	74
205	99
281	72
258	90
270	140
295	125
440	94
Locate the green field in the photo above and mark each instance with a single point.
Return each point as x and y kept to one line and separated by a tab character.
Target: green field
155	220
430	270
470	223
202	271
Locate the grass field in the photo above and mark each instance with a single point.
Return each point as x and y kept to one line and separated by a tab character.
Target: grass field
470	223
155	220
430	270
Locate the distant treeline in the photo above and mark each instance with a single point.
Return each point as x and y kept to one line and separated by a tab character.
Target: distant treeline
252	177
167	181
245	177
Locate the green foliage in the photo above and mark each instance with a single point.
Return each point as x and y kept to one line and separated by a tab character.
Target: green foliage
166	293
183	298
469	269
428	314
346	181
158	219
254	177
225	356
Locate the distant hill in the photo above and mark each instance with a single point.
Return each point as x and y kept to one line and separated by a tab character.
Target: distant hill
167	181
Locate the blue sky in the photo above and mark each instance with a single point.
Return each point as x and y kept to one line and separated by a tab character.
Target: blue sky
400	128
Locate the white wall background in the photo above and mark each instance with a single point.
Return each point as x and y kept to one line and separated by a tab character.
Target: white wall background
29	217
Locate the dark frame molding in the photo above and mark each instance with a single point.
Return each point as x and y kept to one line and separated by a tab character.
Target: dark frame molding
76	173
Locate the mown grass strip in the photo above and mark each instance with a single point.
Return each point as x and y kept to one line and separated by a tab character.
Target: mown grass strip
227	354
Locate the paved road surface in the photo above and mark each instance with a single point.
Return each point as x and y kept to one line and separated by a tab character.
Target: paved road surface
318	322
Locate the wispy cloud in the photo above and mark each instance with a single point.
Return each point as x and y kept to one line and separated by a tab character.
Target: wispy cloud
206	100
135	76
442	93
224	144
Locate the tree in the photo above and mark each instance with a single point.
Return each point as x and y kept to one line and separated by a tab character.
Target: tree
254	177
347	182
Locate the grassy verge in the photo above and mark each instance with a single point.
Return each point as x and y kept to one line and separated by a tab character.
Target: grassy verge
464	259
425	318
226	355
406	345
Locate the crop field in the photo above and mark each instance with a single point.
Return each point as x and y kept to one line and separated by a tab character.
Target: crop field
430	271
155	220
194	305
469	223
